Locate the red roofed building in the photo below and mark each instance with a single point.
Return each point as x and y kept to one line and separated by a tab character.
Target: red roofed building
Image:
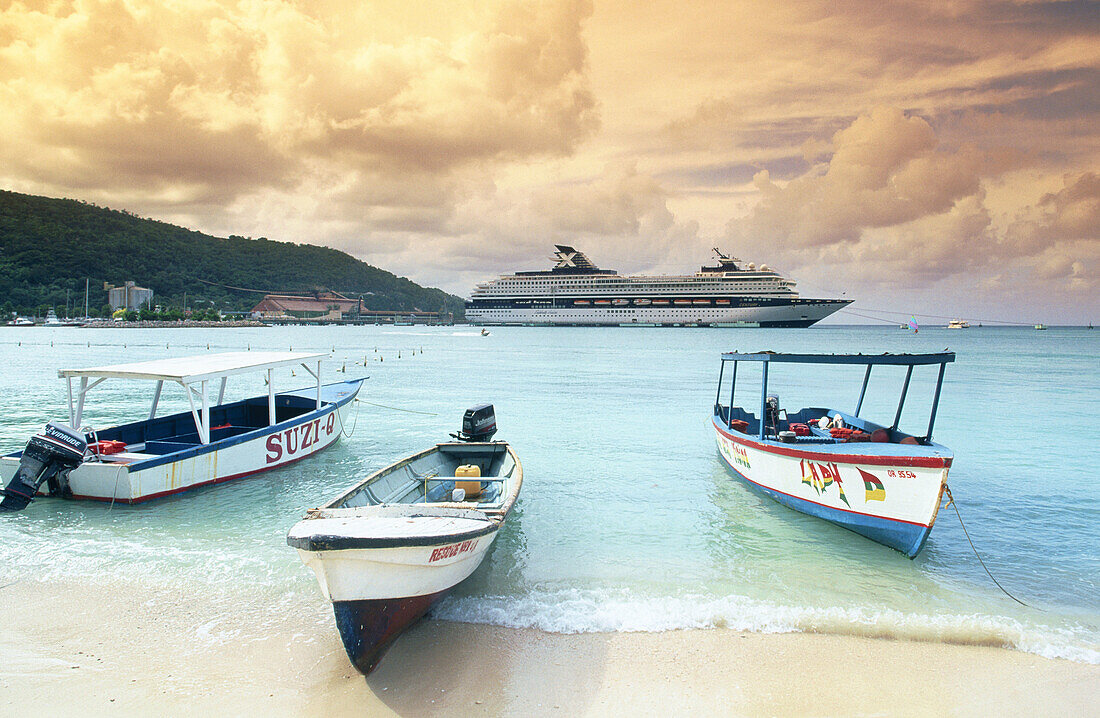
327	305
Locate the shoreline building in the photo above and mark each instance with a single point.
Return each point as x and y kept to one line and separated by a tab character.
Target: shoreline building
322	305
128	296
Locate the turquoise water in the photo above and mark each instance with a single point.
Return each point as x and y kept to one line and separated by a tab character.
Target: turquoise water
628	520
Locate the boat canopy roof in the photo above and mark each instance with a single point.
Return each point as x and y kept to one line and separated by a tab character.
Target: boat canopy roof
188	370
860	359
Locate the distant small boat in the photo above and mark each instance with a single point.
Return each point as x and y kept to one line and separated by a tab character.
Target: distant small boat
51	319
390	548
1040	326
22	322
958	324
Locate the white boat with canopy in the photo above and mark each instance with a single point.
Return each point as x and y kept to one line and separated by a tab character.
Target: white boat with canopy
157	456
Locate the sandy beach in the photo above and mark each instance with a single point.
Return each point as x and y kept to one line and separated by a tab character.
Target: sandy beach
122	651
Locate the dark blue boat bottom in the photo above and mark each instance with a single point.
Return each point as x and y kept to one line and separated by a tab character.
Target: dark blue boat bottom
902	536
369	627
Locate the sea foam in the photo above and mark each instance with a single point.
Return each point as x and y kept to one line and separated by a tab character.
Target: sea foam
581	611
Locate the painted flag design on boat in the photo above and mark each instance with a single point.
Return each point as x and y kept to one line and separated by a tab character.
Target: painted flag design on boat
874	489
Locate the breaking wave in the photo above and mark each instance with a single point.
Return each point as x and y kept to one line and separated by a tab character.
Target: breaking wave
581	611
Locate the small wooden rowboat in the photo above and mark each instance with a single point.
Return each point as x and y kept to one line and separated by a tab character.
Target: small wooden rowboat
870	478
390	548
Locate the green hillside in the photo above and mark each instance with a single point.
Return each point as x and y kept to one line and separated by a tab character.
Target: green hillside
49	246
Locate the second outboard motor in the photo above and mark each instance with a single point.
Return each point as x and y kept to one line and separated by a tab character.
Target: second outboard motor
479	423
49	456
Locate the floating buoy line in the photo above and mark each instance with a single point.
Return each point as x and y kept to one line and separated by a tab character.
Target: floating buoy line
951	503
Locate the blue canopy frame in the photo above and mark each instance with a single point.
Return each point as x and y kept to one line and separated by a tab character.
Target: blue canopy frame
869	360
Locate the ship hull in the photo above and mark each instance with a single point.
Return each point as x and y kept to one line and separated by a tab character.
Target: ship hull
775	314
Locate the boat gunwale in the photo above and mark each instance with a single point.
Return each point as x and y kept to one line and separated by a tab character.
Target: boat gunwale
831	452
339	542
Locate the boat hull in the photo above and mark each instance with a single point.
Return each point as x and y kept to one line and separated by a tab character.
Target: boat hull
890	499
377	593
368	628
136	477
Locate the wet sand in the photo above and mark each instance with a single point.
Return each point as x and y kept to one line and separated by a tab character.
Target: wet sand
119	651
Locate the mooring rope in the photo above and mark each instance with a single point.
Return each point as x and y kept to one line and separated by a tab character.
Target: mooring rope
951	503
114	491
354	424
397	408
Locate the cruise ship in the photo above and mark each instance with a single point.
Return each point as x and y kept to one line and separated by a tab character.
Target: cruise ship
575	292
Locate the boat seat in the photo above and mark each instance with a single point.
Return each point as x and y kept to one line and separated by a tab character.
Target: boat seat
218	433
167	447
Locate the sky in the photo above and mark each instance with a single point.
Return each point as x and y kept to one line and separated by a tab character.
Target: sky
935	158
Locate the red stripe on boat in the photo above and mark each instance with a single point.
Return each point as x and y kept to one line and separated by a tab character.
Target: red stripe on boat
926	462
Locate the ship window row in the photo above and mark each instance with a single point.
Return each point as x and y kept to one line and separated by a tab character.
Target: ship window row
756	287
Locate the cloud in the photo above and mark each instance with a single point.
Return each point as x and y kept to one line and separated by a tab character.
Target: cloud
885	170
185	99
893	206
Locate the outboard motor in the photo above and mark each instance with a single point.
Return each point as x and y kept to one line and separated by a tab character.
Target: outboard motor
49	456
479	423
771	415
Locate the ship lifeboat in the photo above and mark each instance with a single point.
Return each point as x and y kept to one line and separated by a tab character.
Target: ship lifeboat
642	302
722	302
621	302
602	303
701	302
682	302
660	302
581	302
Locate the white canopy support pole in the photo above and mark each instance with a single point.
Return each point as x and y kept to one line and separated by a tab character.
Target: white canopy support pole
316	375
72	412
80	402
85	387
221	391
156	400
204	430
194	413
270	397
